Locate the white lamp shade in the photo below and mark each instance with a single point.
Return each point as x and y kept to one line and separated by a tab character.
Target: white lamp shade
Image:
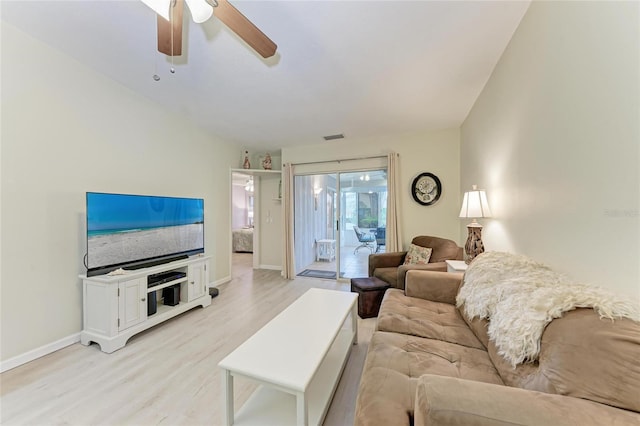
161	7
474	204
200	10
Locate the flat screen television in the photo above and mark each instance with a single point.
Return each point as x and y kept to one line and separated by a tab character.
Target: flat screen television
137	231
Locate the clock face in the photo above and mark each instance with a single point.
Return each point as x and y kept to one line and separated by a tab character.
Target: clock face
426	189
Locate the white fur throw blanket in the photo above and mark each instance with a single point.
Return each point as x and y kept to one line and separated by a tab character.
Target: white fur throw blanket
520	297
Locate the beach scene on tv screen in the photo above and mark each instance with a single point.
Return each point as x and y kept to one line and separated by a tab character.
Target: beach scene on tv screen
126	228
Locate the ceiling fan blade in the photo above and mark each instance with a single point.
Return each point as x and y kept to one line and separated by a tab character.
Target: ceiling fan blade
239	24
167	45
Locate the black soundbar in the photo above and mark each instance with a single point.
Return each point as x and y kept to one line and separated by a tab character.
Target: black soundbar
156	262
164	277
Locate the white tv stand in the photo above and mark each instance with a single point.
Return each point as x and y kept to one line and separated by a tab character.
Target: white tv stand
115	307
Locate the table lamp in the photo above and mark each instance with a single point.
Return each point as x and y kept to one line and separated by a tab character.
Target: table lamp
474	205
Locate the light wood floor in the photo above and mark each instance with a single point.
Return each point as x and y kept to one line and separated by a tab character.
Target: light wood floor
168	375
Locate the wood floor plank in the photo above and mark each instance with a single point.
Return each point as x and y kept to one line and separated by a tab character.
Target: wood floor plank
168	375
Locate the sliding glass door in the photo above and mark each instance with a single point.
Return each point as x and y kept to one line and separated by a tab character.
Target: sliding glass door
363	196
339	219
315	236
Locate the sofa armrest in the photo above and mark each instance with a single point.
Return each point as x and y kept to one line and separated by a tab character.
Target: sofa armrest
442	400
433	285
385	260
403	269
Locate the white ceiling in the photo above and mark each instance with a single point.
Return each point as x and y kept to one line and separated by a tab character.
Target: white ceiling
360	68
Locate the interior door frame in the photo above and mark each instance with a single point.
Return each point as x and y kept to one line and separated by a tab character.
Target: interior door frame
256	217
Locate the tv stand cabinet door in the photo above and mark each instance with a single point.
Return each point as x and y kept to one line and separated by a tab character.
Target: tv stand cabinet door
198	279
132	302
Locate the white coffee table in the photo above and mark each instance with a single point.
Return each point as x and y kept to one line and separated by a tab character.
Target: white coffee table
298	358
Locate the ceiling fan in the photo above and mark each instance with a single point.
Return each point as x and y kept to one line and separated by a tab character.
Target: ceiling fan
170	24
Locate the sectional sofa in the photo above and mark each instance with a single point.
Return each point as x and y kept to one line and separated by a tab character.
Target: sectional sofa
438	357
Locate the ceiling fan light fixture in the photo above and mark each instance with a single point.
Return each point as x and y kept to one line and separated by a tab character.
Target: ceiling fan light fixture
200	10
160	7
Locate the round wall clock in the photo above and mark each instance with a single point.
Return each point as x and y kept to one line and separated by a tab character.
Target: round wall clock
426	189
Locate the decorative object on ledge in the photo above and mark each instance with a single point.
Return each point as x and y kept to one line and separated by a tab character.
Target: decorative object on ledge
474	205
246	164
266	163
426	189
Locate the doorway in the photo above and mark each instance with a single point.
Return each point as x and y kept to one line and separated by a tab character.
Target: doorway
339	219
242	216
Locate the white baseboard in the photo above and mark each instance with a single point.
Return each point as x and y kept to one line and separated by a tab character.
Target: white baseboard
271	267
221	281
17	361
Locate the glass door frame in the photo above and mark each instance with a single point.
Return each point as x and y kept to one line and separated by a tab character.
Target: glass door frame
338	216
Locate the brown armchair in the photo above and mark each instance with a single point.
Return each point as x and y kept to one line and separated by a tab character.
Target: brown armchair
389	266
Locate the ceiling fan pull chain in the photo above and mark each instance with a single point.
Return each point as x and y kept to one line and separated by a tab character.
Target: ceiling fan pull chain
156	77
173	5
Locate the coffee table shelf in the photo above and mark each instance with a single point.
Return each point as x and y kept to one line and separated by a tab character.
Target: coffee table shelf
297	358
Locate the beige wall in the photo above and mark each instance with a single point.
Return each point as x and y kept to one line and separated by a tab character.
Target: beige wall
66	130
555	140
270	216
436	152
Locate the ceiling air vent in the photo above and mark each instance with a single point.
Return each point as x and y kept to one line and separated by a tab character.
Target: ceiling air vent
333	137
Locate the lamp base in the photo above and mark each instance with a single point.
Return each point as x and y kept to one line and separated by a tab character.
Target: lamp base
473	246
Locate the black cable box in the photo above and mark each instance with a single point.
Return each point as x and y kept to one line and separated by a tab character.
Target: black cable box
164	277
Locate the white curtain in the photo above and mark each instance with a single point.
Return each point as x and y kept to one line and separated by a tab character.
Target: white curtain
394	228
288	259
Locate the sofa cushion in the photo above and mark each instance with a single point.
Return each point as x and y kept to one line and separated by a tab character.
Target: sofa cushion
516	377
385	397
479	326
584	356
394	363
424	318
433	285
522	376
449	401
414	356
